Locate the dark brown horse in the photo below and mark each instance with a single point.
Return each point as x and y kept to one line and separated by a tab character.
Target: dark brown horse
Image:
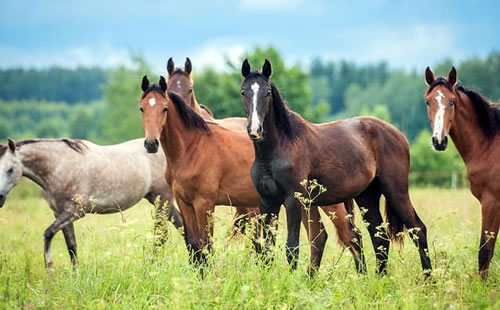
361	158
473	124
210	165
180	81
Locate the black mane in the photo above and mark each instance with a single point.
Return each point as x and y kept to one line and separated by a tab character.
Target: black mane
189	117
488	115
289	123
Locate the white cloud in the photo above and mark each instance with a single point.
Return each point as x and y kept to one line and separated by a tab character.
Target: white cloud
104	56
216	53
273	5
409	47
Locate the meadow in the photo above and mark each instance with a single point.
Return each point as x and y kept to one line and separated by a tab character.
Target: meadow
118	270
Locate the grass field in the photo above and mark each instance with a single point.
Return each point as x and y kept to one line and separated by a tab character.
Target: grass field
117	269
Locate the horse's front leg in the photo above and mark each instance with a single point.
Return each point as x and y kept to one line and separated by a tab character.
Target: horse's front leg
490	209
204	209
62	220
269	210
191	234
293	219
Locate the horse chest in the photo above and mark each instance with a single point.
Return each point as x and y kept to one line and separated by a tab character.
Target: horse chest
269	178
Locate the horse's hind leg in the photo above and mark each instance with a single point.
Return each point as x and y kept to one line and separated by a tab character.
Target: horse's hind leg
165	212
489	234
400	203
347	232
69	237
369	202
62	220
317	234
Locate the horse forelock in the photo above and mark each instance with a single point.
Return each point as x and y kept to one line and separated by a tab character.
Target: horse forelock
439	81
153	88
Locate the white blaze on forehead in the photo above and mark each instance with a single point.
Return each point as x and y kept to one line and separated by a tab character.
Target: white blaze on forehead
152	101
254	120
439	118
179	84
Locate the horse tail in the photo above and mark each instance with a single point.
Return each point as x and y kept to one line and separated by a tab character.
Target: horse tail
395	227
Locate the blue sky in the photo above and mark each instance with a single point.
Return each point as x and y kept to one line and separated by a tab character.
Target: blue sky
407	34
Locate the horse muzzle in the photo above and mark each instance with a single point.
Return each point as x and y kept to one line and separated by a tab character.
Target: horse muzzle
440	145
255	133
151	146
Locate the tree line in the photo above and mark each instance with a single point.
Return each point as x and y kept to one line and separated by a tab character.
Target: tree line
102	105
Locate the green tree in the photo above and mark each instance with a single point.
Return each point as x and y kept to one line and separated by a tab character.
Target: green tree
433	167
81	125
49	128
121	120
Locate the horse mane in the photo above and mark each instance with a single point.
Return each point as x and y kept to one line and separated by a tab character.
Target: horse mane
488	114
76	145
189	117
290	124
204	107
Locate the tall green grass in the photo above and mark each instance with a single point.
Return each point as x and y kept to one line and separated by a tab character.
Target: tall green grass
117	268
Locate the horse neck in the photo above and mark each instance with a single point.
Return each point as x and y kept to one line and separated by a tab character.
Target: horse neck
175	137
465	131
196	107
38	160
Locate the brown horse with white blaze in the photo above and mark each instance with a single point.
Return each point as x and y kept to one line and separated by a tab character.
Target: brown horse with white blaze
210	165
473	123
361	158
180	81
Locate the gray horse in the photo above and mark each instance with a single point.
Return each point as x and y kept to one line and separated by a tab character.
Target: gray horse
79	177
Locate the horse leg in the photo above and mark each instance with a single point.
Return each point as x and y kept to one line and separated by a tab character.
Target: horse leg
400	204
165	212
269	212
369	201
191	235
489	231
293	219
317	234
204	209
62	219
69	237
347	232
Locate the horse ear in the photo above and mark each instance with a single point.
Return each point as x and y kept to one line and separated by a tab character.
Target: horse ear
245	68
12	145
170	66
187	66
145	83
429	76
163	84
452	76
266	69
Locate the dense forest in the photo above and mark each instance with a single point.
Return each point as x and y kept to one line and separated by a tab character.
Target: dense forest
101	105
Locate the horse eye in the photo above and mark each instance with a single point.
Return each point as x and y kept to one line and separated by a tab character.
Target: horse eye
242	92
268	93
452	103
10	171
190	90
427	102
165	110
141	109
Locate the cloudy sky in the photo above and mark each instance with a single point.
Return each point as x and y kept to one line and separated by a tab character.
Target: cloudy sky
407	34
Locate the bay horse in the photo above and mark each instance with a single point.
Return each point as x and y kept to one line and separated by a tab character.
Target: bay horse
210	165
180	81
361	158
79	177
473	123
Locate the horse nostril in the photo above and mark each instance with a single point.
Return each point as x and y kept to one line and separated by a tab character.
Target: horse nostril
434	140
157	143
